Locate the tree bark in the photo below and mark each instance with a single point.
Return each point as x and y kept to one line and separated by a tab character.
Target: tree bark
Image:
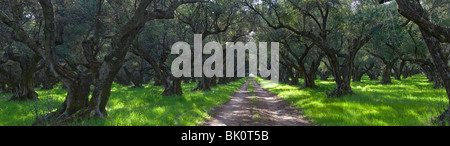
433	35
442	68
101	74
386	78
358	74
2	87
310	76
373	75
285	71
25	89
203	84
163	74
432	75
47	80
289	70
398	71
213	81
186	80
357	77
389	64
294	79
309	81
323	75
76	100
342	78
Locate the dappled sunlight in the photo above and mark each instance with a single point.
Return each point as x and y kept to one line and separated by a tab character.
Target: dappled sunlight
159	110
268	84
325	82
191	108
22	113
411	101
129	106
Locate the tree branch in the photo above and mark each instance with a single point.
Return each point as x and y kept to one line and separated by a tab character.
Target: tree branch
414	11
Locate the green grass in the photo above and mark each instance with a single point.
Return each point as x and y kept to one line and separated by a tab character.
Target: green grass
410	102
129	106
250	86
253	100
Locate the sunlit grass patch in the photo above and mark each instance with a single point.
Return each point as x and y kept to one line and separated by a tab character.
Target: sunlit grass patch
23	113
129	106
145	106
411	101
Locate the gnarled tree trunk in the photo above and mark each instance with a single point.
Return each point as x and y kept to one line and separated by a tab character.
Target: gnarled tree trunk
164	76
386	78
399	70
77	98
203	84
25	89
433	35
373	74
309	81
442	68
101	74
294	79
358	74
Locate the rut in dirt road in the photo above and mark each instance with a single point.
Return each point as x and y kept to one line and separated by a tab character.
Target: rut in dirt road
256	108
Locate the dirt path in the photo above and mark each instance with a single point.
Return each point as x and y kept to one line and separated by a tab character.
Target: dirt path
255	108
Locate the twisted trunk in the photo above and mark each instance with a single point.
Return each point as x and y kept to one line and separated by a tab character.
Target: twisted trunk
442	68
433	35
399	70
203	84
213	81
358	74
432	75
101	74
49	81
373	74
164	76
389	64
386	78
294	79
76	99
309	81
323	75
25	89
310	76
342	78
357	77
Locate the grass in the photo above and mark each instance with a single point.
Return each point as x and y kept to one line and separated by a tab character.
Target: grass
129	106
410	102
250	86
253	100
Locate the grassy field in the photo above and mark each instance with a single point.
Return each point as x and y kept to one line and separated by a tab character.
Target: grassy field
410	102
128	106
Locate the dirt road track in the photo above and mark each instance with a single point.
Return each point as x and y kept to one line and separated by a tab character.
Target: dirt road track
255	108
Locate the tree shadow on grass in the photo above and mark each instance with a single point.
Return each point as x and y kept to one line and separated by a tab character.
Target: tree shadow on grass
141	107
407	102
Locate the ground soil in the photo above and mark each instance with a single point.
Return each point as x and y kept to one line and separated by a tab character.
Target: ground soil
256	108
